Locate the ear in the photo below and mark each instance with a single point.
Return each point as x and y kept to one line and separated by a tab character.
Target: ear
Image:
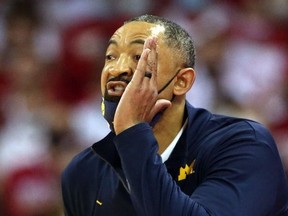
184	81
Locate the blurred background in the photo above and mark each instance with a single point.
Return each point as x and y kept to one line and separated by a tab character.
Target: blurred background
51	56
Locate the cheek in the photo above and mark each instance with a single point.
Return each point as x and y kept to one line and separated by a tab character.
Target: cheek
106	71
104	77
164	73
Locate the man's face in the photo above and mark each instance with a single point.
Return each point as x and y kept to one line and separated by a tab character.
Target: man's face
123	53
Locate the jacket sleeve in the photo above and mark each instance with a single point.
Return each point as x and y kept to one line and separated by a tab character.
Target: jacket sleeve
66	194
241	179
76	186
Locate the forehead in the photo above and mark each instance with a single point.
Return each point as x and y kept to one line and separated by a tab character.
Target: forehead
138	30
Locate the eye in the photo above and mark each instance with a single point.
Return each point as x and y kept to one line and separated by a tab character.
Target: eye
137	57
109	57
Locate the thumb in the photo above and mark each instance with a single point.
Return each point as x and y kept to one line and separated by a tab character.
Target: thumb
160	106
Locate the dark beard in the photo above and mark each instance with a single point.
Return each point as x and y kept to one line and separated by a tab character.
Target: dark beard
111	98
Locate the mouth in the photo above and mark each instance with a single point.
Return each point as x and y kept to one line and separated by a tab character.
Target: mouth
116	88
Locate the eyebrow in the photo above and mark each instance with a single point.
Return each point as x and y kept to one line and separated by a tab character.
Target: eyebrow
137	41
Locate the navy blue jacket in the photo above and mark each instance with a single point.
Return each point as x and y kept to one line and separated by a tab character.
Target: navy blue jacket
220	166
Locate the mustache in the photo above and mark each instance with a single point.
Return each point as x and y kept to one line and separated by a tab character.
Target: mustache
121	77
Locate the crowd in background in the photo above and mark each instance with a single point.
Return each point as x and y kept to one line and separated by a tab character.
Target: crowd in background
51	56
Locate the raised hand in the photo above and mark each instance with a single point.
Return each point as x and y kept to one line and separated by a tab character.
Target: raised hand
139	102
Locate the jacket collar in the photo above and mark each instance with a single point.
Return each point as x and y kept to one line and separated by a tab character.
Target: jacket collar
186	149
106	150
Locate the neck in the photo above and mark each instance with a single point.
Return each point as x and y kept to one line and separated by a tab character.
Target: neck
170	124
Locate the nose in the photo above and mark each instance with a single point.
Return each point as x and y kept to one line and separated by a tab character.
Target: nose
123	66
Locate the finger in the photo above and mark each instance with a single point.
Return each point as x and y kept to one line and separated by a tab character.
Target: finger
147	43
160	106
152	59
139	74
147	64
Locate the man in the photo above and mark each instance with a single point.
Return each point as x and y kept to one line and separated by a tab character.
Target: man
163	156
